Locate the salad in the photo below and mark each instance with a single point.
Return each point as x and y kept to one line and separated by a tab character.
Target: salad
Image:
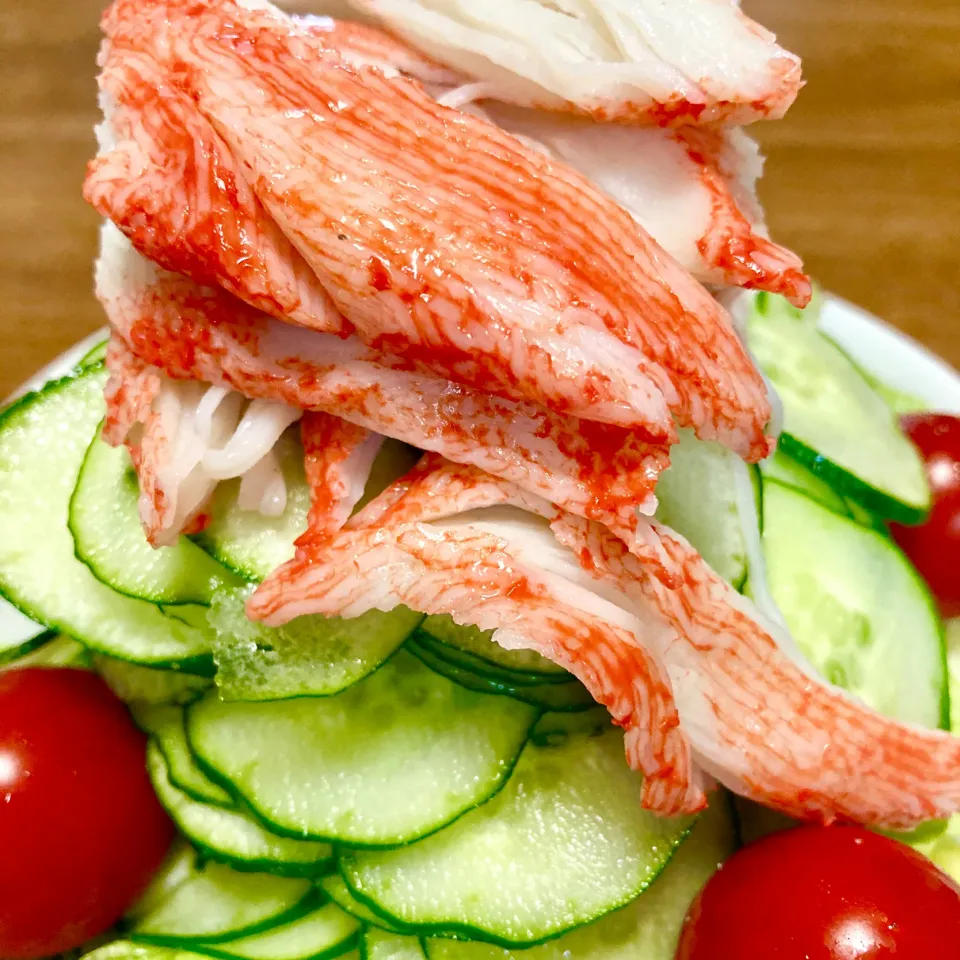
467	538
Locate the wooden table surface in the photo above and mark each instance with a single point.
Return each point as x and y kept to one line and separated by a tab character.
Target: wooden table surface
863	176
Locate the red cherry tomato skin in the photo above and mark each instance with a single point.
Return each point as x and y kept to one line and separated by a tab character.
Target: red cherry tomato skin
824	893
934	547
81	830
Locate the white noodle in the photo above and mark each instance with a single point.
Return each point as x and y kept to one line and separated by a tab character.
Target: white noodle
262	425
262	488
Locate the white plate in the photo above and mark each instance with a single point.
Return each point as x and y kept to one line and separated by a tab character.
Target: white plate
890	355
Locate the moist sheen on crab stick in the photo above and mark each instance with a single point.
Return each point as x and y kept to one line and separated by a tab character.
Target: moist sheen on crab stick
168	181
196	333
485	261
753	718
694	190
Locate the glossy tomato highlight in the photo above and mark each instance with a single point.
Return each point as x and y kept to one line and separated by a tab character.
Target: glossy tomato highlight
824	893
81	829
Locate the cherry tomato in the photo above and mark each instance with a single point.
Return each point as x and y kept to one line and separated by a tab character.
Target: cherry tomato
81	830
824	893
934	547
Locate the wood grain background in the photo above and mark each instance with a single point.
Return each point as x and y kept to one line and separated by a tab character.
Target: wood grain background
863	176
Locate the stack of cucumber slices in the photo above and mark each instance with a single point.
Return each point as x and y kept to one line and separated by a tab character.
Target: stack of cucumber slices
399	786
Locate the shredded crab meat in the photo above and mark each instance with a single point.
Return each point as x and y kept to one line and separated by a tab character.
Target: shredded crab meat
472	576
184	438
168	181
196	333
537	307
760	722
436	489
630	61
692	189
338	456
757	720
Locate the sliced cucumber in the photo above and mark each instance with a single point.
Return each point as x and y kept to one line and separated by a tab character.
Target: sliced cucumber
43	440
216	903
386	761
60	651
335	887
834	422
851	600
146	685
233	837
19	635
109	538
381	945
129	950
310	656
898	401
569	696
564	843
698	498
646	929
789	472
253	545
166	725
93	356
477	643
944	851
953	671
326	932
179	866
486	668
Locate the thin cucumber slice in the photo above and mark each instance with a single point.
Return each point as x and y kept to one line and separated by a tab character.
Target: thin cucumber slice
60	651
233	837
129	950
388	760
944	851
43	440
93	356
166	725
381	945
789	472
326	932
19	635
564	843
109	539
477	643
310	656
697	497
850	597
335	887
898	401
865	518
834	422
253	545
648	928
179	866
464	660
216	903
570	696
953	672
146	685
